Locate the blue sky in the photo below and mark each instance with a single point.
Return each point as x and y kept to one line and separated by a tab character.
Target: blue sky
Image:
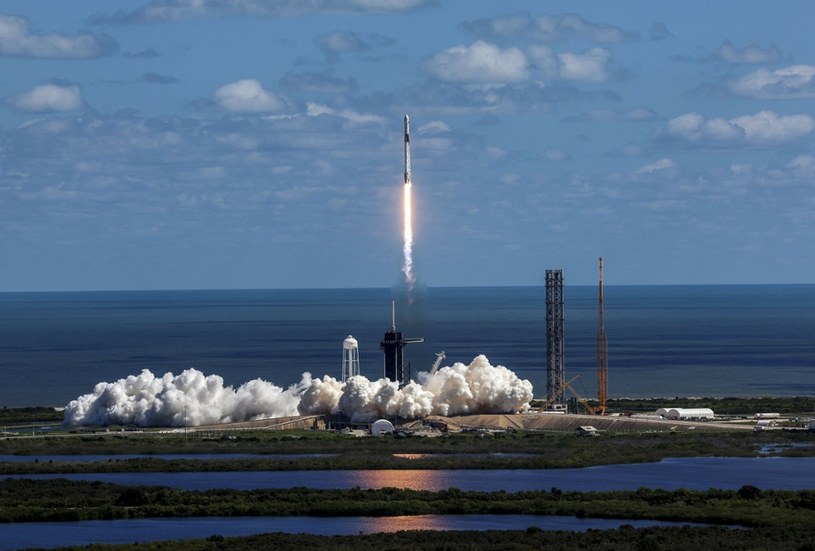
182	144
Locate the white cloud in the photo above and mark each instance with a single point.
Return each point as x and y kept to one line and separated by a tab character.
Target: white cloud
353	118
47	98
749	55
794	82
590	66
662	164
17	40
763	128
247	96
767	127
480	62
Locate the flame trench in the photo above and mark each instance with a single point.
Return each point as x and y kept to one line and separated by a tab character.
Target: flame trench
407	266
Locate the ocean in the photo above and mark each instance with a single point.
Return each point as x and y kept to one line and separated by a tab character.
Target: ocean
663	341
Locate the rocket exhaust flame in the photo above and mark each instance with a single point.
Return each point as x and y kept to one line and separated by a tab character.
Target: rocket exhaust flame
407	265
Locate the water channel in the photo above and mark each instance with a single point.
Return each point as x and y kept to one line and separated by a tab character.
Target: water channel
697	473
59	534
691	473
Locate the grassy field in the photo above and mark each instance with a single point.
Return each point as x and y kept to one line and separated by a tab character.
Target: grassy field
625	538
452	451
779	520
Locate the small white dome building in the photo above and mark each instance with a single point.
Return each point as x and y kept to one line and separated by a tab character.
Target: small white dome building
382	426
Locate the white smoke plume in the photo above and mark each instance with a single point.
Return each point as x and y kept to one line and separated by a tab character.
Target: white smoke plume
146	400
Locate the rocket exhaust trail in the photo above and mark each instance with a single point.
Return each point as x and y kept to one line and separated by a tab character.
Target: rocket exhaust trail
407	266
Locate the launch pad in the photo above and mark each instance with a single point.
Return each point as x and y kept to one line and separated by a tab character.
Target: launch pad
393	345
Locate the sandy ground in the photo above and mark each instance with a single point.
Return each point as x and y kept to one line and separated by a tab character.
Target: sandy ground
524	421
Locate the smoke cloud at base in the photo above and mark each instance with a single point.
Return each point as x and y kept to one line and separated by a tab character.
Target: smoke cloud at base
197	399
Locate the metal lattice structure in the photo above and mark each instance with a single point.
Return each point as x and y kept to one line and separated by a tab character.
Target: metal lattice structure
602	354
555	363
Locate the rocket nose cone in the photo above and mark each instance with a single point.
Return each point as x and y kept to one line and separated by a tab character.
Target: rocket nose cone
407	119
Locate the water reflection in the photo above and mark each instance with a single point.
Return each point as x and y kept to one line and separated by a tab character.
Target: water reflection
417	522
416	479
699	473
496	455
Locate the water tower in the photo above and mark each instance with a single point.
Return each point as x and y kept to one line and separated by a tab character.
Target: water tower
350	358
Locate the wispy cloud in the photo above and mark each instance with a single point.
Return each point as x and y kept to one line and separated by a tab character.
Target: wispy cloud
662	164
639	114
47	98
160	11
659	31
549	29
352	117
763	128
155	78
749	55
318	83
18	40
334	45
794	82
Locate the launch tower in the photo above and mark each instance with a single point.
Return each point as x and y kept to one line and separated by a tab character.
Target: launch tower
555	365
393	346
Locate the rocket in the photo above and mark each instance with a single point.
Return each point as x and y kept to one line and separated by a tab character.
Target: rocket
407	149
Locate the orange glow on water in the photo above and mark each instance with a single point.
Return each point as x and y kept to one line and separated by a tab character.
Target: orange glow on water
418	479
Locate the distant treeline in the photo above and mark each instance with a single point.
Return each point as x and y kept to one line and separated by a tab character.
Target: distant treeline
37	414
723	406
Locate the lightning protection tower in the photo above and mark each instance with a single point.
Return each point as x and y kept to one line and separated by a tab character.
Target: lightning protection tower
555	364
350	358
602	354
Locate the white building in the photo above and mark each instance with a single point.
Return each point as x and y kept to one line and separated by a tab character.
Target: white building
382	426
685	414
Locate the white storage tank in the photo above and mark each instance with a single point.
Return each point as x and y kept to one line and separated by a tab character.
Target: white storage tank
685	414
